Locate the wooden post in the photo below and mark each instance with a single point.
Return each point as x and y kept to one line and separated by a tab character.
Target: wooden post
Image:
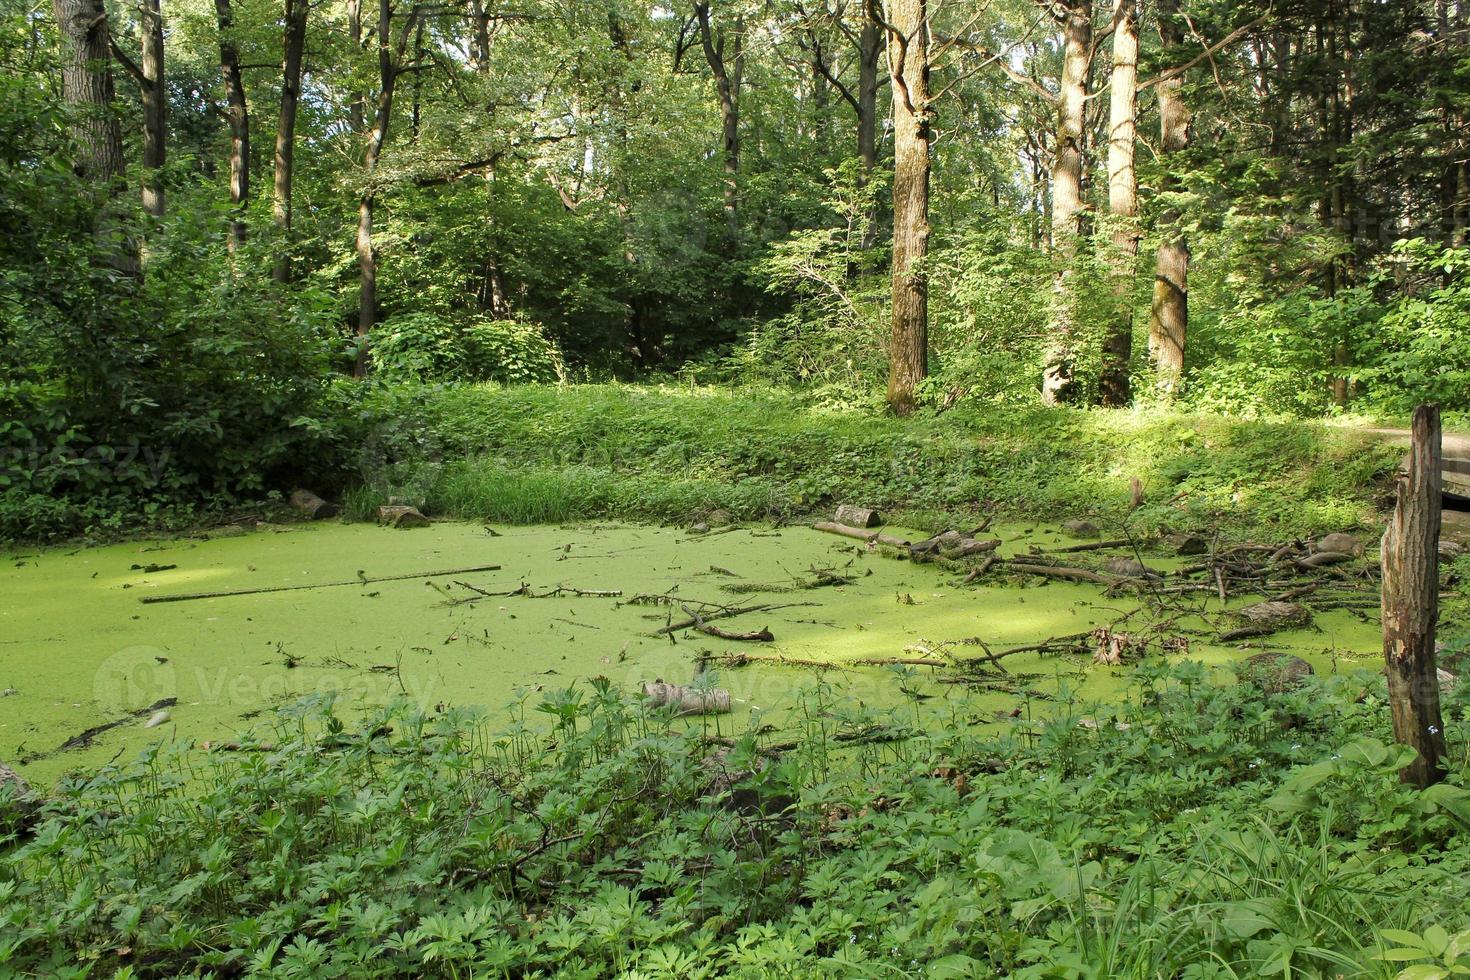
1411	602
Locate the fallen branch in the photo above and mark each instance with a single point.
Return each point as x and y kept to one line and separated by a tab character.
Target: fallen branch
360	580
723	612
1090	546
1066	572
862	534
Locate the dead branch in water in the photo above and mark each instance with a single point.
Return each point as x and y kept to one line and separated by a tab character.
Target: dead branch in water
360	580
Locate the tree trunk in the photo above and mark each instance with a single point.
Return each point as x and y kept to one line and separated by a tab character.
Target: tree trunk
155	110
238	114
1059	383
870	49
480	40
728	74
357	107
1122	202
390	65
908	69
86	84
1411	602
293	44
1168	325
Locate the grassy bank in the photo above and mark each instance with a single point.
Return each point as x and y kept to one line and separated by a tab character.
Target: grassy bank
1195	829
529	454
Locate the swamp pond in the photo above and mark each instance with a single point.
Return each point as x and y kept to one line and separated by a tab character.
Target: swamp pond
85	665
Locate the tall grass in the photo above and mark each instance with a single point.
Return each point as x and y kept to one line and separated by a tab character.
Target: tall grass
563	452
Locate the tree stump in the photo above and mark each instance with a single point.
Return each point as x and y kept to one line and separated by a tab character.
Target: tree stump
18	803
1411	601
1275	673
401	516
688	700
1265	618
312	507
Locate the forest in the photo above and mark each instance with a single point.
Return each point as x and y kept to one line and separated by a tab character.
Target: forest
735	488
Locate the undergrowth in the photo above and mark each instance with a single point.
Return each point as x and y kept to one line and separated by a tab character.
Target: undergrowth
556	453
1195	829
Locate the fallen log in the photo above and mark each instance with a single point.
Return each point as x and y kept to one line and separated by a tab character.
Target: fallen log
688	700
762	635
969	547
360	580
1091	546
871	537
1324	558
855	516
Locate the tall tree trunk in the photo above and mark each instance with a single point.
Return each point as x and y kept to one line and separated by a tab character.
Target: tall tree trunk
155	110
238	115
1058	382
293	44
480	39
728	73
357	105
1411	602
1168	325
86	84
390	66
908	70
1335	107
870	50
1122	201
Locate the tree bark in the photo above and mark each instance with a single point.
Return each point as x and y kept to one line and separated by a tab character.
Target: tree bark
86	84
293	44
1168	326
1117	352
908	69
1411	602
870	49
728	74
1059	383
390	66
480	41
357	105
238	115
155	110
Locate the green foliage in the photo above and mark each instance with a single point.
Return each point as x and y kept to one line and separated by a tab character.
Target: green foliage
413	347
598	837
1421	343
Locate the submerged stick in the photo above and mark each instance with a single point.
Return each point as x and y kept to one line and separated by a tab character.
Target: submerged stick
361	580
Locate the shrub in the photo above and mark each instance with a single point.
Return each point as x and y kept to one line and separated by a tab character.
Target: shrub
1192	830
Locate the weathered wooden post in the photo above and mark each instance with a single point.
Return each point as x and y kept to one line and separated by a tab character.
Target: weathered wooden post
1411	602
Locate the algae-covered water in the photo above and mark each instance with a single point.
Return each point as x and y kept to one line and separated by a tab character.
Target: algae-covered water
78	649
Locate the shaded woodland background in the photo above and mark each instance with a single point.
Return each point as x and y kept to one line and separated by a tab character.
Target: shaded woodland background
215	213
